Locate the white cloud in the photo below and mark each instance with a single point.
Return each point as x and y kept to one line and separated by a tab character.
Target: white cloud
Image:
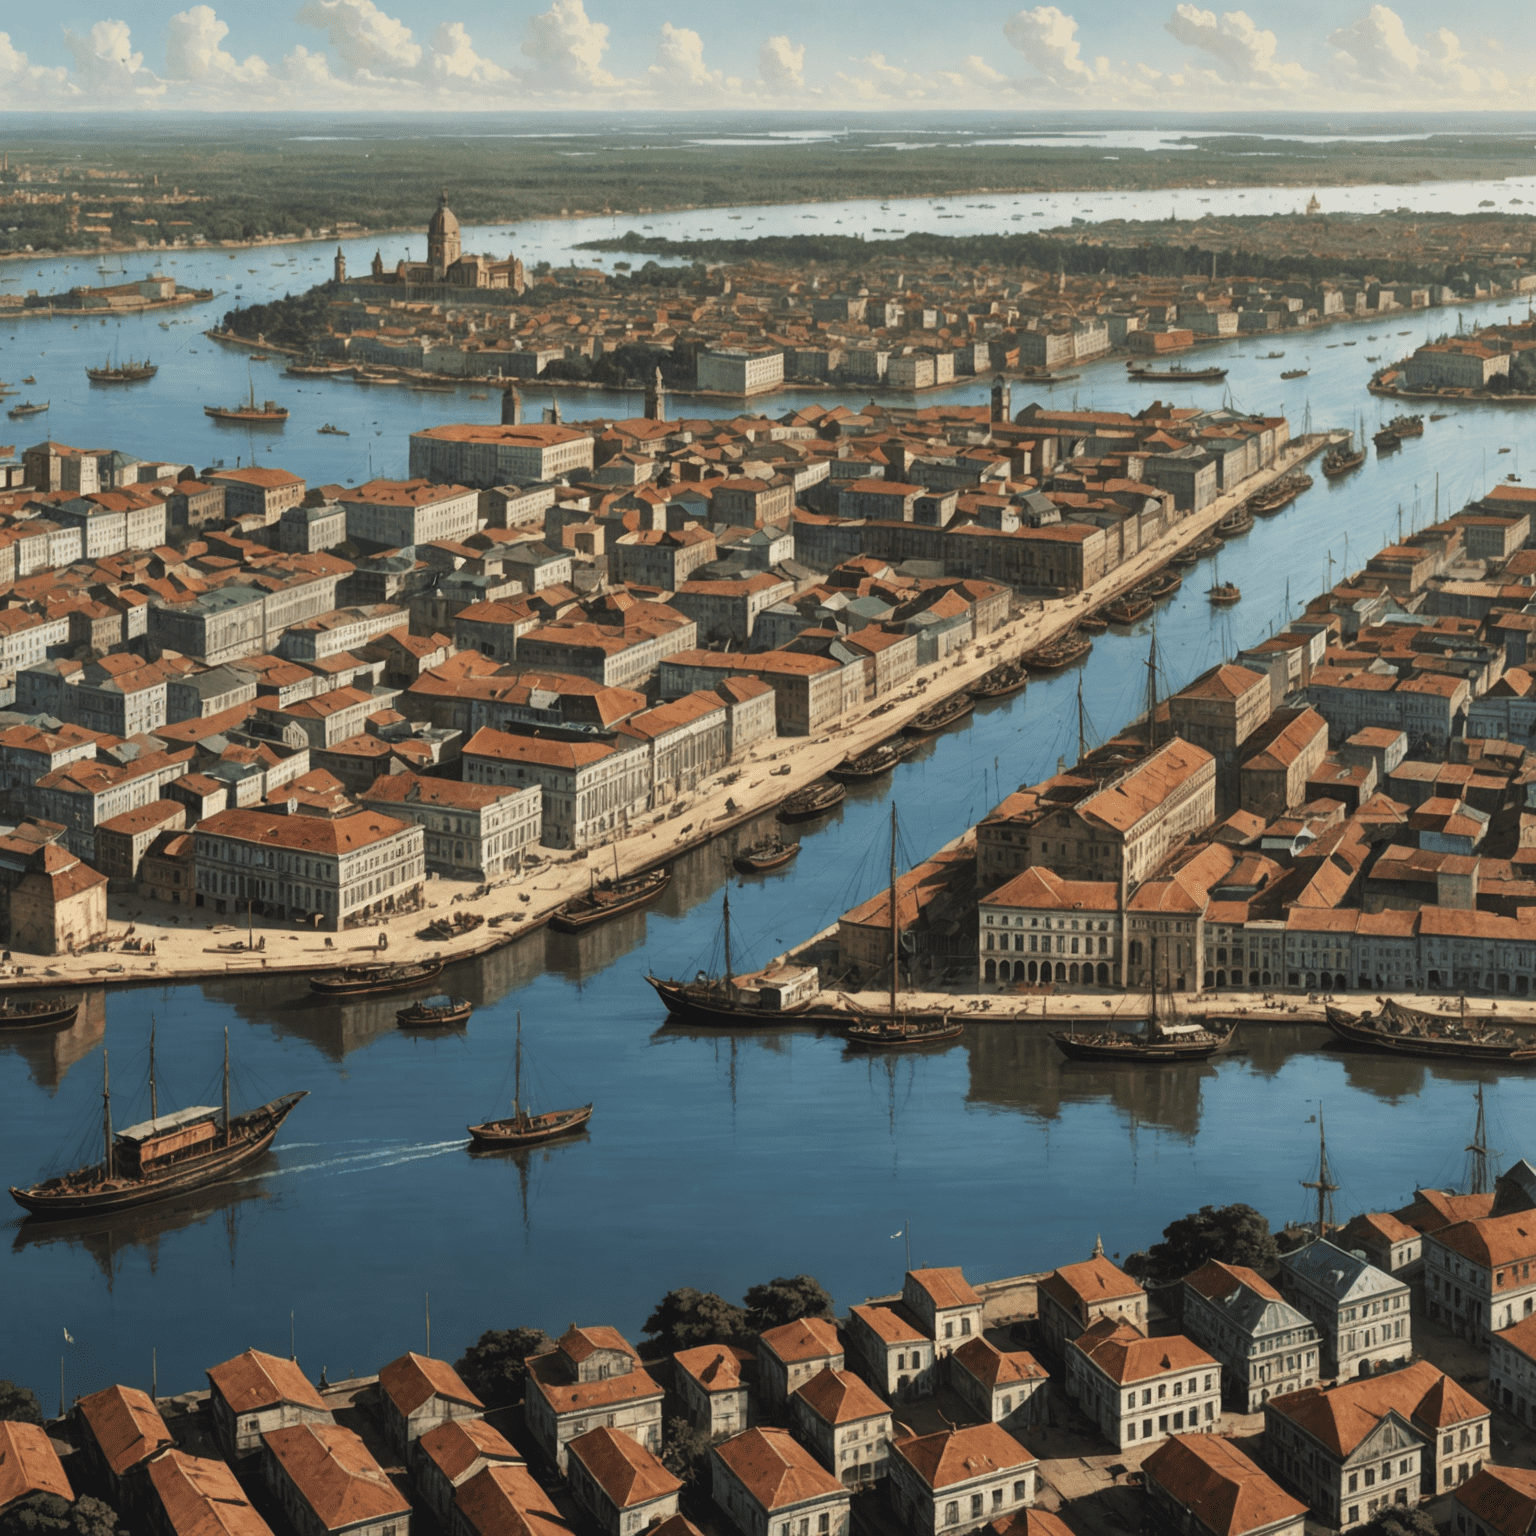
454	58
567	47
365	38
1377	53
25	81
1243	51
105	61
308	69
781	64
680	61
1047	37
192	50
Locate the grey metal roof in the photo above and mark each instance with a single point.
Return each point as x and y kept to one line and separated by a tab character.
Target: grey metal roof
1337	1273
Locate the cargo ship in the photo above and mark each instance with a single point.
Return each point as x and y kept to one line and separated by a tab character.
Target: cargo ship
1176	375
609	898
268	414
1405	1031
122	373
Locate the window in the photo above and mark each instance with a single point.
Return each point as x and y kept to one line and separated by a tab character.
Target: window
977	1506
823	1524
1146	1429
952	1513
1354	1483
1020	1492
997	1498
965	1327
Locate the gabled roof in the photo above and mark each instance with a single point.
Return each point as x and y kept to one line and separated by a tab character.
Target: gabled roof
579	1344
334	1474
456	1445
1125	1354
503	1500
994	1367
776	1470
889	1325
957	1455
415	1379
839	1397
29	1464
1341	1417
944	1287
202	1498
623	1468
253	1381
1219	1485
1502	1498
807	1338
126	1425
1080	1286
1247	1300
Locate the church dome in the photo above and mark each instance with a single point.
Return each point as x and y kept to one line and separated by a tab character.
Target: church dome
445	224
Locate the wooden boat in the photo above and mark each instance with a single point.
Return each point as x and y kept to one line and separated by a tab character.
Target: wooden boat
27	408
1175	375
812	801
1407	1031
1282	493
125	373
29	380
329	431
1294	373
902	1034
44	1013
1208	546
771	853
1224	594
1343	458
1059	653
164	1156
880	759
1157	1043
1238	521
268	414
1269	357
1386	440
1002	681
610	898
1095	623
434	1013
940	716
522	1129
376	980
1185	560
1130	609
1407	426
1161	584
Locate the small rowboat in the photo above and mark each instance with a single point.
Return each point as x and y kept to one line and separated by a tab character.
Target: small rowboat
812	801
376	980
609	899
870	765
434	1013
1224	594
771	853
45	1013
1129	609
1056	655
941	715
1002	682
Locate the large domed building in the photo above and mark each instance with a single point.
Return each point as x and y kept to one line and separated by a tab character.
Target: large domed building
446	263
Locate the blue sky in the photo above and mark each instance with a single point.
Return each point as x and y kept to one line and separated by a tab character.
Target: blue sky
671	54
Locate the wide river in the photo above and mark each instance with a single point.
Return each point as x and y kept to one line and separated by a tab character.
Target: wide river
712	1160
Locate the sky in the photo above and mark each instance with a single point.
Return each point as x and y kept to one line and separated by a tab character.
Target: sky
328	55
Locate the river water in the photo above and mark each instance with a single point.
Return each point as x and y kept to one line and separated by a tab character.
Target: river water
711	1160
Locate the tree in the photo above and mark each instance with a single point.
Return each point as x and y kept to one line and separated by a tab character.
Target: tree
492	1367
687	1453
46	1514
1235	1234
786	1301
1400	1520
685	1317
19	1404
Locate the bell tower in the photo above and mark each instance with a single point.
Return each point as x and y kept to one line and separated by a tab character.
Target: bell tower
339	268
443	244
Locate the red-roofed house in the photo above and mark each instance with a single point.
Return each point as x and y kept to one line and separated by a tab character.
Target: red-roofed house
1139	1389
959	1479
1204	1486
1009	1387
1477	1274
1037	915
791	1354
120	1429
619	1483
328	1483
417	1393
445	1458
1078	1295
715	1383
29	1464
892	1352
945	1304
1499	1501
846	1426
592	1374
1265	1345
770	1485
256	1392
199	1497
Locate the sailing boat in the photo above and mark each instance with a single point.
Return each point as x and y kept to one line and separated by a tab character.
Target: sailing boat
892	1029
522	1129
610	897
269	413
1222	594
161	1157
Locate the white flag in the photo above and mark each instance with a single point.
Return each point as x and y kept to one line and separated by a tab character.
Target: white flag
67	1338
895	1235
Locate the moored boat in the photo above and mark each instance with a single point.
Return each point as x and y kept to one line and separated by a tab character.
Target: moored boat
269	413
1161	584
1009	678
376	979
812	801
44	1013
1158	1043
1060	653
880	759
940	716
1130	609
1407	426
1405	1031
1294	373
1238	521
1224	594
521	1128
902	1034
1177	374
610	898
27	408
1342	458
770	853
130	372
1386	440
164	1156
435	1013
1094	623
1280	494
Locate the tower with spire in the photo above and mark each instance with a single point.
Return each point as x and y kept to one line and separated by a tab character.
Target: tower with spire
339	266
444	246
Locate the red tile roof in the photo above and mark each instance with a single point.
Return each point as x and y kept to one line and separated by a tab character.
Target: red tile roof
415	1379
253	1381
202	1498
29	1464
776	1470
839	1397
125	1424
454	1446
807	1338
1341	1417
1219	1485
957	1455
334	1474
1503	1498
623	1468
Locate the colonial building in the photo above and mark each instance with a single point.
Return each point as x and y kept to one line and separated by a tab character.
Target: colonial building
400	514
1041	928
445	1458
1138	1389
29	1464
338	870
1499	1501
1078	1295
417	1393
1202	1485
620	1484
483	456
1477	1274
120	1430
327	1482
471	831
59	905
945	1305
788	1356
1512	1369
847	1428
715	1384
501	1500
1265	1346
891	1352
1363	1315
769	1485
257	1392
1007	1387
189	1495
591	1375
1353	1449
960	1479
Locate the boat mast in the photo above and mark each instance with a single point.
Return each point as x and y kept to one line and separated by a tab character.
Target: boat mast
106	1116
729	978
517	1082
154	1109
1479	1150
1152	694
895	920
1082	732
1323	1183
226	1085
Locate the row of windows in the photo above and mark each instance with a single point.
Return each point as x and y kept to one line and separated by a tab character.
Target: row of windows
1176	1423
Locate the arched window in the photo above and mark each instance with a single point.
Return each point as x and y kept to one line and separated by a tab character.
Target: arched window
1103	975
991	971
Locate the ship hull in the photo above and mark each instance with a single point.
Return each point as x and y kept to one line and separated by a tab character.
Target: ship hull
254	1133
420	1016
809	808
334	986
932	721
247	418
43	1018
577	917
984	691
1059	657
530	1130
1350	1030
1082	1049
750	864
874	1038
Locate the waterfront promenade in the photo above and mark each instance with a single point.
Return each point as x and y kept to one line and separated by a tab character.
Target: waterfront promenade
189	945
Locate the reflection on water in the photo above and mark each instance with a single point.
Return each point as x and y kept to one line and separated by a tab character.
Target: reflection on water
50	1053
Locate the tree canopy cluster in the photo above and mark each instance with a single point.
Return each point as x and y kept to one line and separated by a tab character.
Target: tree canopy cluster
686	1318
1234	1234
492	1367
